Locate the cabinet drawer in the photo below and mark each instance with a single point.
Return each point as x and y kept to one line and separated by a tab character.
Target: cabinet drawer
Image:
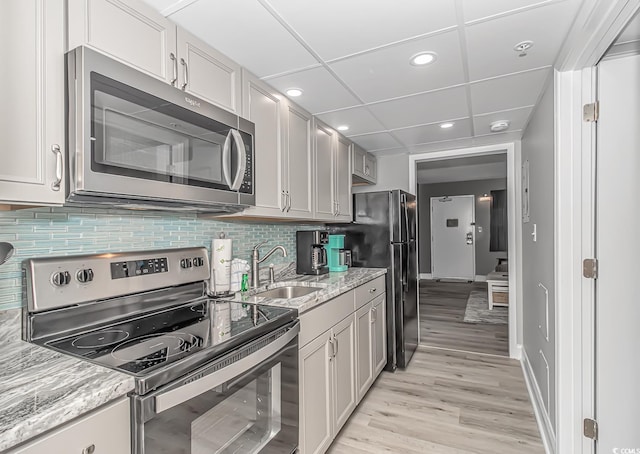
108	430
369	291
324	317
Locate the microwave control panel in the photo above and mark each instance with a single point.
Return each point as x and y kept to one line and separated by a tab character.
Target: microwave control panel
132	268
247	181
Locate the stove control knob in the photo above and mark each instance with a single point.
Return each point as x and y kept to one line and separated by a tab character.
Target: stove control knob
60	278
186	263
85	275
198	261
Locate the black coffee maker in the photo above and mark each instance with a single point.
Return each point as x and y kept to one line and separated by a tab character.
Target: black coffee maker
311	254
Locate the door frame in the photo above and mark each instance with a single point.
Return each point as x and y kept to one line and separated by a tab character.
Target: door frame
594	30
473	215
514	191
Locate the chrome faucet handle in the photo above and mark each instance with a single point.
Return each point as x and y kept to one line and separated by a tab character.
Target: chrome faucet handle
257	246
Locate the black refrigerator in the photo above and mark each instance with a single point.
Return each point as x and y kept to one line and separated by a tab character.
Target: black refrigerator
383	235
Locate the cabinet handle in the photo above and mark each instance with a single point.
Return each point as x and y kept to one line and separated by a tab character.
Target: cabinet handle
173	58
374	314
89	449
335	340
288	202
373	290
58	181
333	349
283	199
186	73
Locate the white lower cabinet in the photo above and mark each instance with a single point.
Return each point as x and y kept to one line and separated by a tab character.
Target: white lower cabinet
342	351
103	431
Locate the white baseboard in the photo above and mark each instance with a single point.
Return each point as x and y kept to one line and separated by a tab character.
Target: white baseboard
481	278
544	423
427	276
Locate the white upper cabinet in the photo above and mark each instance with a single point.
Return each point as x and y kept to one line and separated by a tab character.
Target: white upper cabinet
298	163
265	107
364	167
131	32
139	36
206	73
32	100
325	202
343	179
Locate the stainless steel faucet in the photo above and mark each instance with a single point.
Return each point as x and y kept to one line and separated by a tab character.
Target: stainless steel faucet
256	261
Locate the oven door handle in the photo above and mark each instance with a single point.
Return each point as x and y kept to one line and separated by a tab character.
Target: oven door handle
177	396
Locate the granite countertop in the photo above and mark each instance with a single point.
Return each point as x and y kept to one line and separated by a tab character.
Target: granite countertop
41	389
331	285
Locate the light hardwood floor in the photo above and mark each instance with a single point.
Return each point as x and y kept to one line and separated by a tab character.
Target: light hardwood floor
445	402
442	306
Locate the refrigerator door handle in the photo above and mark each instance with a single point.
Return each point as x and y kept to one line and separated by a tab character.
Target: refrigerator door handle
403	202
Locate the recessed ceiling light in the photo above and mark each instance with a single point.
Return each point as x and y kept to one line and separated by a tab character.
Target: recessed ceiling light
523	47
499	126
343	128
446	125
294	92
423	58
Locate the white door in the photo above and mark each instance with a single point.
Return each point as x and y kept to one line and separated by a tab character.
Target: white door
452	237
617	248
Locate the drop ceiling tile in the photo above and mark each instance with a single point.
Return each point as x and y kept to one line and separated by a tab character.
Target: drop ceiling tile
475	9
359	120
509	92
258	42
517	118
433	133
377	141
631	31
422	109
386	73
321	91
490	44
335	28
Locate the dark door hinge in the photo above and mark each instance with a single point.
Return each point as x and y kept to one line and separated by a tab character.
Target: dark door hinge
590	268
590	429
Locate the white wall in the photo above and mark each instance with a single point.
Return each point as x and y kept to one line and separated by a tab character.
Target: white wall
393	173
538	147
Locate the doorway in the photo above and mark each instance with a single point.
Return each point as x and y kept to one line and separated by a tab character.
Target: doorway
453	221
462	210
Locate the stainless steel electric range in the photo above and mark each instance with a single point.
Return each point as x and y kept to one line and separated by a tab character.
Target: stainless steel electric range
210	375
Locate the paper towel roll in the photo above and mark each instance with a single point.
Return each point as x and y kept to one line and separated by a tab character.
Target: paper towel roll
221	264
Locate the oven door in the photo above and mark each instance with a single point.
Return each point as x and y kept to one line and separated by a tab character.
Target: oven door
245	402
138	137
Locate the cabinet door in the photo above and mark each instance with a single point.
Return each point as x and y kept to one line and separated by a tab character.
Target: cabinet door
108	430
325	207
131	32
32	100
344	372
298	163
263	106
343	178
364	350
371	167
316	403
358	160
206	73
379	334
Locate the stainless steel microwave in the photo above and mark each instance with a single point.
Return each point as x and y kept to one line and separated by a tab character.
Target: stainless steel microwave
137	142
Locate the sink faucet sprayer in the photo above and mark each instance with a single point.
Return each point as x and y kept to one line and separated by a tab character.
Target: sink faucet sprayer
256	261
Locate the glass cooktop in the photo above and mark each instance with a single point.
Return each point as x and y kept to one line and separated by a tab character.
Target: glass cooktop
147	343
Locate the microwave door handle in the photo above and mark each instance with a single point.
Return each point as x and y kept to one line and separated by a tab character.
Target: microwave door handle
226	160
169	399
242	160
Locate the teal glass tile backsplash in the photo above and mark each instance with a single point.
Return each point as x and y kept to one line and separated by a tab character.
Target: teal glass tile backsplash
65	231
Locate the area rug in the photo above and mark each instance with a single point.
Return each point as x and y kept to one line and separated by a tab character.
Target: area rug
477	310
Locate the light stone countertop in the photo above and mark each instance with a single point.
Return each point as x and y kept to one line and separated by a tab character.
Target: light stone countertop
331	285
41	389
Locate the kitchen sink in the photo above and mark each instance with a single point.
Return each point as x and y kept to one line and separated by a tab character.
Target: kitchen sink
293	291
